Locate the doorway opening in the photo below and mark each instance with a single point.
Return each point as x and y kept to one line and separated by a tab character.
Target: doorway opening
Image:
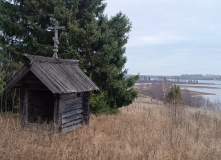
40	106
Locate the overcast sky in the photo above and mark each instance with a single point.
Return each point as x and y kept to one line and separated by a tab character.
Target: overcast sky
172	37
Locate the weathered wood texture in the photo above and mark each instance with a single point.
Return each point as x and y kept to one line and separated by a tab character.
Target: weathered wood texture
22	107
50	91
44	79
57	113
40	59
86	107
26	106
72	112
71	128
40	106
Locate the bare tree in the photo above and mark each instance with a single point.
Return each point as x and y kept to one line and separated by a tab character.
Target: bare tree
159	90
187	97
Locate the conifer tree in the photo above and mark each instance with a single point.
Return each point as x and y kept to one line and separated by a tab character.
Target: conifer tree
174	96
92	38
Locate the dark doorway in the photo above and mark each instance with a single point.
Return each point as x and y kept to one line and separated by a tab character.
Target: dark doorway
40	106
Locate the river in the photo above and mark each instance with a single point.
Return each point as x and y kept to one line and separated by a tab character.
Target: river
207	83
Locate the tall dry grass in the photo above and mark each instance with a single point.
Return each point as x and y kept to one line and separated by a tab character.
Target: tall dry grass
143	130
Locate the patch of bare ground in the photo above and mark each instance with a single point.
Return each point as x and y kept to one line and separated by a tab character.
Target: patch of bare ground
144	130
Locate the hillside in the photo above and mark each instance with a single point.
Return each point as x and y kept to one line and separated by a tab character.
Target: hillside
144	130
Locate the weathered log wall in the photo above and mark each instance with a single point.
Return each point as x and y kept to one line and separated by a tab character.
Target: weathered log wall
39	105
71	112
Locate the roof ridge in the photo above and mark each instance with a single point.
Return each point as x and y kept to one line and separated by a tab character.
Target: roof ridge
42	59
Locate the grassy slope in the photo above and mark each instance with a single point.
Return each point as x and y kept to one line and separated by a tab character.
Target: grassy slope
143	130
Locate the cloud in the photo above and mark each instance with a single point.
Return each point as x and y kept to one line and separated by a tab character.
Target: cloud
148	40
183	36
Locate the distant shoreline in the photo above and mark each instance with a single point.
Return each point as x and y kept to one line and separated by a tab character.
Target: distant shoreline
142	83
196	93
206	87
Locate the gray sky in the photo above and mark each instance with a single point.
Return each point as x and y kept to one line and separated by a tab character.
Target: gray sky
172	37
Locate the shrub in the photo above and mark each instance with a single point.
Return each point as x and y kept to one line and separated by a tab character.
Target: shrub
99	104
174	96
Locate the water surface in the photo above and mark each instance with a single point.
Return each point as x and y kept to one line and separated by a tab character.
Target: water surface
208	83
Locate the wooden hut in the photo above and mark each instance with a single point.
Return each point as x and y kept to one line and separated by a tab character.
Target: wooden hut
53	90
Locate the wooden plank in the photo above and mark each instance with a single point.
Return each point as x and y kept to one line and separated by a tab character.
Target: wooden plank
69	96
56	78
22	107
80	81
63	76
76	101
71	128
78	121
51	60
71	104
73	108
37	72
90	83
72	113
72	119
59	112
73	78
71	101
56	109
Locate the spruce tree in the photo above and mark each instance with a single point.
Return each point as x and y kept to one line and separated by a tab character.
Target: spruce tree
92	38
174	96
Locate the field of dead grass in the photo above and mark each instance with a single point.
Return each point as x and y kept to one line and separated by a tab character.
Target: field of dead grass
144	130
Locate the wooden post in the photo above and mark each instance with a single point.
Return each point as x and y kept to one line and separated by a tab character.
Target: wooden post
26	106
22	106
57	111
86	107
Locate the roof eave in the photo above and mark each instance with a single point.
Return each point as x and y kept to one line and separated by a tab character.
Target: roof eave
16	78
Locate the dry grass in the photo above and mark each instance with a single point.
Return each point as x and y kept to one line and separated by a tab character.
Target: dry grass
143	130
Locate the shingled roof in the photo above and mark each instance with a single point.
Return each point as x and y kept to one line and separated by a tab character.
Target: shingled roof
58	75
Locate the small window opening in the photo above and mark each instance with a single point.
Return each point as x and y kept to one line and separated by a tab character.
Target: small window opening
78	94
